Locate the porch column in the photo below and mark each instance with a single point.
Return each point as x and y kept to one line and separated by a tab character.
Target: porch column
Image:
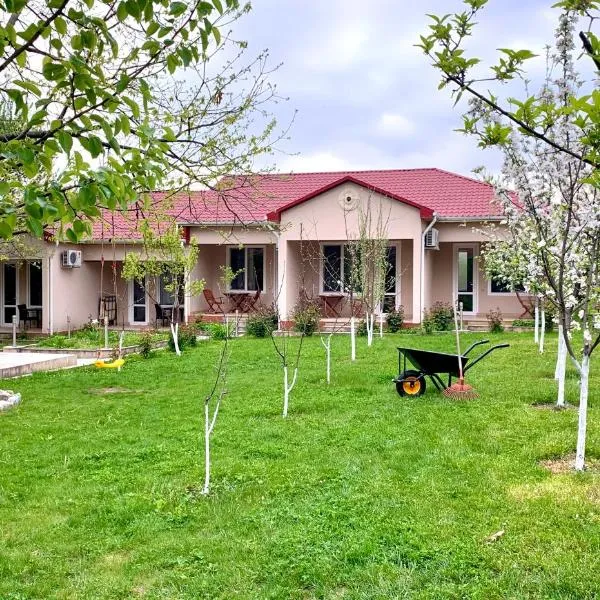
416	282
281	281
46	294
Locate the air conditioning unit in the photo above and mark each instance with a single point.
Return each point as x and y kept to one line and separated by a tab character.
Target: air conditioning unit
71	258
432	239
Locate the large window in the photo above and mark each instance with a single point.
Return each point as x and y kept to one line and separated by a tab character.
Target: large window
167	288
248	264
337	268
497	286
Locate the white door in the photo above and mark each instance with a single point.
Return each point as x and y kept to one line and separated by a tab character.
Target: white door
465	276
138	303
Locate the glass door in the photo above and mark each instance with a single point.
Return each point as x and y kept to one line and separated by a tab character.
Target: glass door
389	299
139	302
9	292
465	278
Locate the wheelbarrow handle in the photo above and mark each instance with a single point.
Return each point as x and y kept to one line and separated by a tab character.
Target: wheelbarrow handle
473	363
474	345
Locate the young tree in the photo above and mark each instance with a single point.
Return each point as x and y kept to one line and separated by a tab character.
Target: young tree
111	99
165	257
554	221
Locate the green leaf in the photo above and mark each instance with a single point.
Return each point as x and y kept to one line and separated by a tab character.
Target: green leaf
177	8
5	230
54	71
122	12
60	25
71	236
28	85
65	140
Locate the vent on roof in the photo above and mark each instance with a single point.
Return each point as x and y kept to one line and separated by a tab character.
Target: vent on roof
432	239
348	199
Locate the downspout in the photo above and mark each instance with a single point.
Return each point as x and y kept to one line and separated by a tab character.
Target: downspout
422	270
50	307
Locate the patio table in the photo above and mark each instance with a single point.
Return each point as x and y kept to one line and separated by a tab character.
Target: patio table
237	298
332	303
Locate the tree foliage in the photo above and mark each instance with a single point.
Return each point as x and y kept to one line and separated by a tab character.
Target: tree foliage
107	100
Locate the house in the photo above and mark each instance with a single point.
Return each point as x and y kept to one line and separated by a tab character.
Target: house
286	234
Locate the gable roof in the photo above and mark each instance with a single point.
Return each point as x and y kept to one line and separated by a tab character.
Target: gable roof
254	199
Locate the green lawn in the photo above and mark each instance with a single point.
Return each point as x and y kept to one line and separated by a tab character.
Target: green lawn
358	494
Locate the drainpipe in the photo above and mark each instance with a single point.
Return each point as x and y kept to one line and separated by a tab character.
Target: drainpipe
422	271
50	307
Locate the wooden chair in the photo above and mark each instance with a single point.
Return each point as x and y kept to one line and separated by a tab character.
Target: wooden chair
250	302
27	315
214	304
161	315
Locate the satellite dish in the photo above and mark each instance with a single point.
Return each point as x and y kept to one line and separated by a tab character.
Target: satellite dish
348	199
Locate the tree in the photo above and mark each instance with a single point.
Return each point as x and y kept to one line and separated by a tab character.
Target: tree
108	100
165	257
551	154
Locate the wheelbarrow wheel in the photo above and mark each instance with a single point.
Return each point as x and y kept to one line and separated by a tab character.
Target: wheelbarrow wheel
411	383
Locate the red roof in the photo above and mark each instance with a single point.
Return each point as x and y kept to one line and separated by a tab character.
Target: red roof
258	198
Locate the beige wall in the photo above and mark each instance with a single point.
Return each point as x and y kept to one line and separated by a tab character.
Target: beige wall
442	288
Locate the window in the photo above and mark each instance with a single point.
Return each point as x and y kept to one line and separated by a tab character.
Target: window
139	302
389	299
466	278
248	264
497	286
35	284
167	296
337	271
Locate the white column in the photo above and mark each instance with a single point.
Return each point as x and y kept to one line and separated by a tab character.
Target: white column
416	281
281	281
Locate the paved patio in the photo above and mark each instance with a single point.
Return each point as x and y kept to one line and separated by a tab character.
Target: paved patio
16	364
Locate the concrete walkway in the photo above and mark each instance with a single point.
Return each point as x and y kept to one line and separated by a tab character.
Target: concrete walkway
25	363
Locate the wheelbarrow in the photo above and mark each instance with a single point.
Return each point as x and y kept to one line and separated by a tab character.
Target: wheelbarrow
411	382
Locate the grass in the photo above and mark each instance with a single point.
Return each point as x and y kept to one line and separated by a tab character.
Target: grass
358	494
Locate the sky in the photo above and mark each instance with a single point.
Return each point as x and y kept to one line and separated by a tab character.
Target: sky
365	97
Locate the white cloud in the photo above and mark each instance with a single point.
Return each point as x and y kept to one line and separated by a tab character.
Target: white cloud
395	125
317	161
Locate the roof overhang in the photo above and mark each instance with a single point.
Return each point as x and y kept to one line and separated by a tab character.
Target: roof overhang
275	216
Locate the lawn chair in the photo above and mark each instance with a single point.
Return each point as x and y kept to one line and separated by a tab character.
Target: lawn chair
214	304
250	302
161	315
27	315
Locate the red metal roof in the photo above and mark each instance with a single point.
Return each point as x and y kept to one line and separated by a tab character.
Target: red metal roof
256	198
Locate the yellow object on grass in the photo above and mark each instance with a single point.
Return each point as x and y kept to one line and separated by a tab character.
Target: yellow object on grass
115	364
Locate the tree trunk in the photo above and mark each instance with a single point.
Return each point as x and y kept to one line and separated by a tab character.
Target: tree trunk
206	450
381	325
583	401
352	339
561	367
175	334
328	358
370	322
536	322
287	389
542	329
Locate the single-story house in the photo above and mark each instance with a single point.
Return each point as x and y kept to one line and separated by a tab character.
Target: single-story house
287	234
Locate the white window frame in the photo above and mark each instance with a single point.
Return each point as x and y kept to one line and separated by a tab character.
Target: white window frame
322	263
455	293
132	306
17	290
245	249
28	278
398	247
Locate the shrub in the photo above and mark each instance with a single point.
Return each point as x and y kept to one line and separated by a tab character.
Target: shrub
306	317
440	317
262	322
495	323
145	343
361	328
523	323
218	331
186	337
394	320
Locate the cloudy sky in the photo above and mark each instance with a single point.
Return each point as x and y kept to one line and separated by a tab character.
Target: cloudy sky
366	97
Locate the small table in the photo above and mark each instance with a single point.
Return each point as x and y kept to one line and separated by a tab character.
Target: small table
332	302
168	312
237	298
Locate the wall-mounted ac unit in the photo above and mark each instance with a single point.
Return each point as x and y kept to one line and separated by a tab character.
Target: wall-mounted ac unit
70	259
432	239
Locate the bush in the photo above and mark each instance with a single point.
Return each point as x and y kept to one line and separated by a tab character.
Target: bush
219	331
361	329
523	323
306	317
186	338
495	323
440	317
146	338
394	320
261	323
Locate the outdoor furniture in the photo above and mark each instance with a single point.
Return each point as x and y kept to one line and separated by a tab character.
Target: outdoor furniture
107	309
411	382
214	304
167	310
237	299
29	315
250	302
161	315
332	302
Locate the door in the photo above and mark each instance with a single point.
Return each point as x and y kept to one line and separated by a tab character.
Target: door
465	289
391	280
10	284
139	303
